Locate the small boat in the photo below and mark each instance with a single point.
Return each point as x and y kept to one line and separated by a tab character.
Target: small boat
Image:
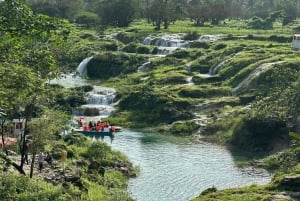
99	129
92	133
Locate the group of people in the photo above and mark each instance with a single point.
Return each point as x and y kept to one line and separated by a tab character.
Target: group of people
41	157
93	126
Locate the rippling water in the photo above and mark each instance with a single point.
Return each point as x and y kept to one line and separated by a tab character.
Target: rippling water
174	169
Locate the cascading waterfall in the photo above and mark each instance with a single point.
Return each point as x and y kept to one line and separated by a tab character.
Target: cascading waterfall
250	81
99	103
81	69
144	67
166	43
214	70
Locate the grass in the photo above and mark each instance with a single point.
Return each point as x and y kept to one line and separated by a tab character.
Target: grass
230	27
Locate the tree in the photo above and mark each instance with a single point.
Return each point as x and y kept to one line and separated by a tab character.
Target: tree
57	8
117	12
42	132
160	12
198	12
26	60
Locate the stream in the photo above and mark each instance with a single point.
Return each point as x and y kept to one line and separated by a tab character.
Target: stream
171	168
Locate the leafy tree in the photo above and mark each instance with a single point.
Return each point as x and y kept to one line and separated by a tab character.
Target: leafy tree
57	8
198	12
290	12
88	19
26	61
117	12
42	132
160	12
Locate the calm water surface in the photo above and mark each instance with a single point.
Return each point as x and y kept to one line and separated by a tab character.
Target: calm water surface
174	169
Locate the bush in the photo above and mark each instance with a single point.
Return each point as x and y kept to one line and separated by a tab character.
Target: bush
88	19
205	92
143	50
184	128
257	135
220	46
200	44
191	36
125	37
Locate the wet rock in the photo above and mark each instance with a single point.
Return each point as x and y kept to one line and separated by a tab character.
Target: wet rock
291	182
280	197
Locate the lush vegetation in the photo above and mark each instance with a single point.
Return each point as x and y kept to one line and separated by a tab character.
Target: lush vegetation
243	88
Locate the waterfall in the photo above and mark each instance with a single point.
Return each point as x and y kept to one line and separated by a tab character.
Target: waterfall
209	37
100	102
81	69
144	67
217	68
166	43
214	70
250	81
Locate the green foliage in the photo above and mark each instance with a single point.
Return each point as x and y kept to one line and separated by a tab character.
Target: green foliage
220	46
204	91
126	37
97	151
284	161
200	44
136	48
14	187
87	19
191	36
158	106
108	64
184	128
258	135
117	13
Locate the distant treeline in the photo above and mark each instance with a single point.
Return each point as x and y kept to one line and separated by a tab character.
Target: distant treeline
101	13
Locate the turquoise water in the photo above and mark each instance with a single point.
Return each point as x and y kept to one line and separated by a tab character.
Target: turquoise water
174	169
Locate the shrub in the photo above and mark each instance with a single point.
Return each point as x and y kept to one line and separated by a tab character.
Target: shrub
220	46
184	128
200	44
143	50
87	18
191	36
125	37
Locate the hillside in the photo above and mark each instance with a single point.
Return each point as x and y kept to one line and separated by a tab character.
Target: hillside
231	82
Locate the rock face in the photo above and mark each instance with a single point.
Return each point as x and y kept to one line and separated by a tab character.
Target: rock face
291	183
280	197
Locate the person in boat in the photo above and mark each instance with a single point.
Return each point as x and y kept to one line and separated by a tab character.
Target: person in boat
106	124
91	125
80	123
112	129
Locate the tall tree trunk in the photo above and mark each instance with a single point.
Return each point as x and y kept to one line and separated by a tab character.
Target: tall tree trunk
32	164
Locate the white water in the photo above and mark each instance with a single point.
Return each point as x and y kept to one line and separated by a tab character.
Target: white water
166	43
81	69
249	82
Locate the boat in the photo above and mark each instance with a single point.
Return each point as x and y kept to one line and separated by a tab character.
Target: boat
99	129
94	133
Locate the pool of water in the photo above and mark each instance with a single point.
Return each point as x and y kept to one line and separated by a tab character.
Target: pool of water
177	169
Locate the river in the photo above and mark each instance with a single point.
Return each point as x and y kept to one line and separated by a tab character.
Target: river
175	169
